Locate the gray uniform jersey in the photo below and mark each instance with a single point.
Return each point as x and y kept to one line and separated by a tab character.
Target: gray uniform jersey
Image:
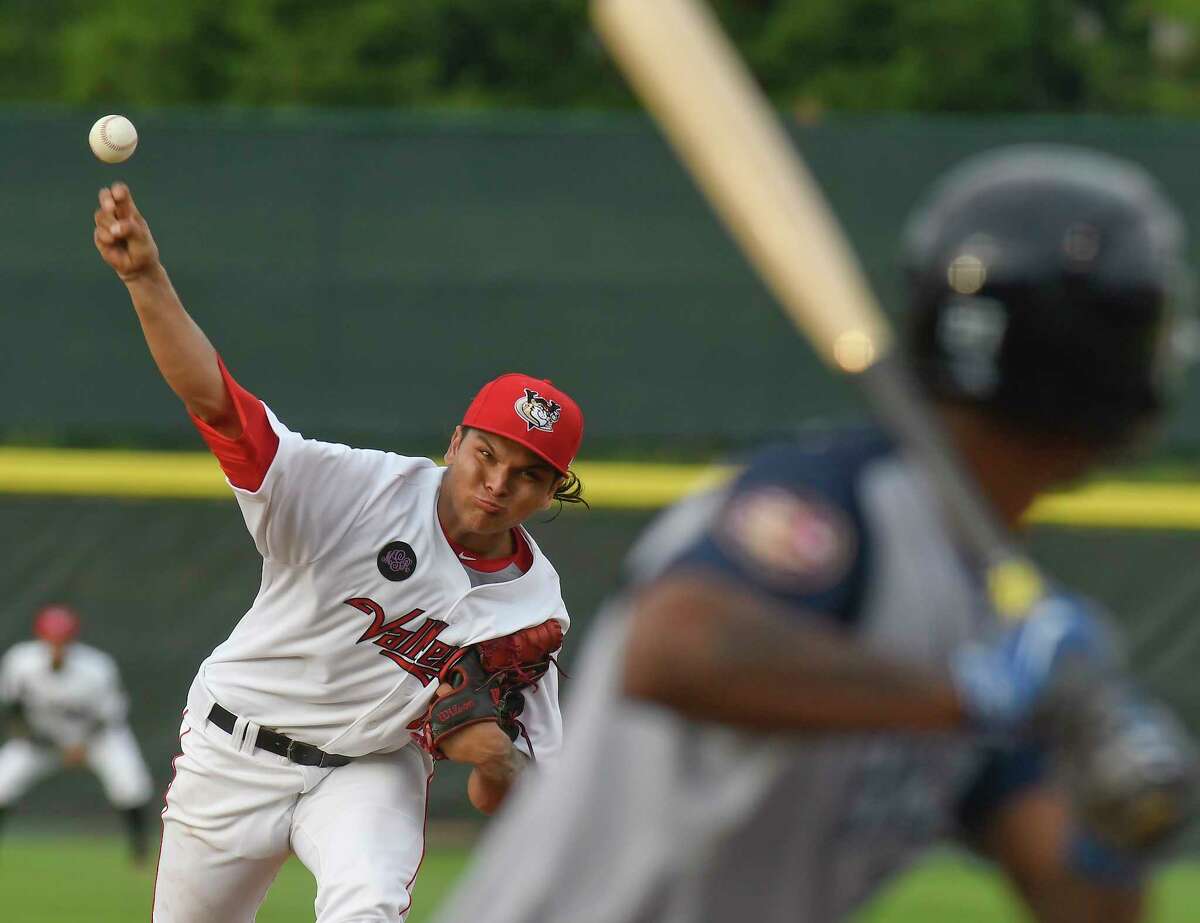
654	818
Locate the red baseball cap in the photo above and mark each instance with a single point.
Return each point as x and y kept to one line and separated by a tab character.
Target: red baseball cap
56	624
532	412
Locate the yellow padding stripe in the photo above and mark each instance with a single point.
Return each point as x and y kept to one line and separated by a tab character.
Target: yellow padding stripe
111	473
608	485
1123	505
195	475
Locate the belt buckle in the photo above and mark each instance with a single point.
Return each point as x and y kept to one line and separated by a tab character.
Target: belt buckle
300	753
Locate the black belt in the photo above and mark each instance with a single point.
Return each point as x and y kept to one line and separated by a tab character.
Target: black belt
280	744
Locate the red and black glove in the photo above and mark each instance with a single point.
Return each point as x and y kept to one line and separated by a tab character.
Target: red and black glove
487	680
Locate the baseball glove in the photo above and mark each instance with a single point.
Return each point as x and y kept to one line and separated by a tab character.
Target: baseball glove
487	680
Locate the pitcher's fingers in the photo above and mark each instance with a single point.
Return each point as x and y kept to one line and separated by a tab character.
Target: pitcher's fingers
124	199
104	243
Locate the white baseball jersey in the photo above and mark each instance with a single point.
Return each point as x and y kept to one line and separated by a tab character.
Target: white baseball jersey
361	603
65	707
363	600
81	704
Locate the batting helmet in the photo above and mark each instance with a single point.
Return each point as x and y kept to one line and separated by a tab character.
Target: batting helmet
56	624
1042	280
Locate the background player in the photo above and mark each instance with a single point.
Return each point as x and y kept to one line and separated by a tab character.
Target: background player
378	570
803	687
66	708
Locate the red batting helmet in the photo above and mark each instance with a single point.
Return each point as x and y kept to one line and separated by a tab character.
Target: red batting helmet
532	412
56	624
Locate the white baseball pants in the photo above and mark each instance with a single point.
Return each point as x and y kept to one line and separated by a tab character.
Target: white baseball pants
113	755
235	812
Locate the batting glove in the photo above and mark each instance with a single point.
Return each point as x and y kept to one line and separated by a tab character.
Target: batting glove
1002	682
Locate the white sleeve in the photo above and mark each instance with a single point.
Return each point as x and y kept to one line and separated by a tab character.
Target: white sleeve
542	718
312	494
9	683
111	705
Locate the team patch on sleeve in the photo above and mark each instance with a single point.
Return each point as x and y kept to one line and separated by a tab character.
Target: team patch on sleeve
792	541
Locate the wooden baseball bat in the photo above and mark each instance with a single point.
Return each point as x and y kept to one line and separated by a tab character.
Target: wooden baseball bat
690	77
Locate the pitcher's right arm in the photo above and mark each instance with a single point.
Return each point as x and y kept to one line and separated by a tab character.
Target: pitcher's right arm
182	352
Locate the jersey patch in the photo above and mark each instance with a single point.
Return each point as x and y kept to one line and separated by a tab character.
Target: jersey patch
537	412
397	561
790	540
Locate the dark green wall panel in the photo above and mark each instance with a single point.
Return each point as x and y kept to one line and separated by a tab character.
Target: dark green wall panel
365	274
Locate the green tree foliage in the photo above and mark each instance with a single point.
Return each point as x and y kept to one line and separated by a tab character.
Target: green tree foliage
812	55
310	52
878	54
30	46
972	56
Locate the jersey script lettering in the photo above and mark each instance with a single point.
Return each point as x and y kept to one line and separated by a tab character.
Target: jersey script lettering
416	650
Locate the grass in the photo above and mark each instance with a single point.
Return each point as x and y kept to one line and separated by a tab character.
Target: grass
71	879
67	879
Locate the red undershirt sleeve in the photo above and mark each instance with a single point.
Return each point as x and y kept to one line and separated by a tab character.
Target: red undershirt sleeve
246	459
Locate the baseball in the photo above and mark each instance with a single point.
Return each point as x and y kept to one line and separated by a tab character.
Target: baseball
113	138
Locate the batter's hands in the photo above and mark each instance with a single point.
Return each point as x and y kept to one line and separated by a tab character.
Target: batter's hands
1128	763
1003	683
1130	767
122	235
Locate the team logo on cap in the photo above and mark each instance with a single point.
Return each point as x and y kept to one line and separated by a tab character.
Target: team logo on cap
537	411
397	561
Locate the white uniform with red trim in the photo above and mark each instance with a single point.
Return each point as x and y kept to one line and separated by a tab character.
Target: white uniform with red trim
362	600
79	704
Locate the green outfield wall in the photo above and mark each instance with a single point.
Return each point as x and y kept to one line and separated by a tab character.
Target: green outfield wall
162	582
366	273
